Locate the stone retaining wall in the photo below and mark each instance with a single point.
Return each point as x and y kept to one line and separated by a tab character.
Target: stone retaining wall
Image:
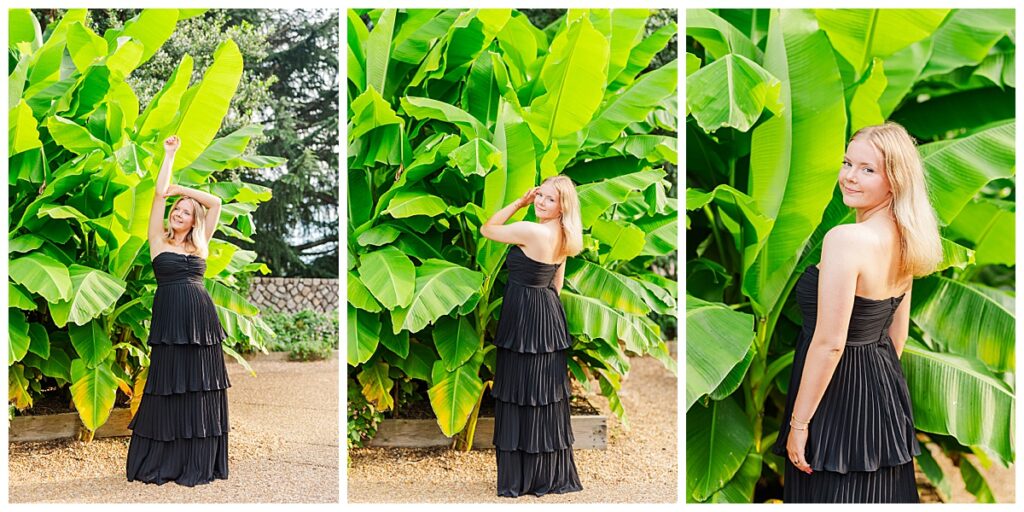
293	294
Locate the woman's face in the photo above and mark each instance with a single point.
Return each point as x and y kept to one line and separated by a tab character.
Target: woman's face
182	216
547	204
862	178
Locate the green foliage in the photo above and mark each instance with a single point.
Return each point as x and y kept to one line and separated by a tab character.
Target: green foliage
289	86
82	165
363	418
453	114
773	96
306	335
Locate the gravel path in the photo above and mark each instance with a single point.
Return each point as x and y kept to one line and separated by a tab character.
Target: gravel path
283	448
639	465
1000	480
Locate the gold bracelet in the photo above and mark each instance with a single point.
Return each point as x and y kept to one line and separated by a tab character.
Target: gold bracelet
792	427
793	418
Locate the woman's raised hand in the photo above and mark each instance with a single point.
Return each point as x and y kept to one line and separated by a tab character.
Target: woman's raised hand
527	198
171	144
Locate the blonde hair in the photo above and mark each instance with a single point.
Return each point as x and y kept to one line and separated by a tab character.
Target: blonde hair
920	244
572	224
197	233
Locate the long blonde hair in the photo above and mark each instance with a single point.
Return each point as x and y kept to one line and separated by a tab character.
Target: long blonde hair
920	244
572	225
197	233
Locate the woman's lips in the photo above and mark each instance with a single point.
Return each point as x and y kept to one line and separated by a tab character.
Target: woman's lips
848	190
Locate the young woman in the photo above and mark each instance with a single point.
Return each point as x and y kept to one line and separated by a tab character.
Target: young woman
532	433
180	431
848	434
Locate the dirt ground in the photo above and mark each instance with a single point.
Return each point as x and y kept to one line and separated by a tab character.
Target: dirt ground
1000	480
639	465
283	448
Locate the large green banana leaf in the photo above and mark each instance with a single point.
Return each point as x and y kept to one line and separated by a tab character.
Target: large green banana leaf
717	338
951	394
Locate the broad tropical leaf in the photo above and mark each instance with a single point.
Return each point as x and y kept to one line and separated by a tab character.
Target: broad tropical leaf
718	338
93	292
749	91
389	275
93	390
441	286
718	438
949	393
453	395
456	341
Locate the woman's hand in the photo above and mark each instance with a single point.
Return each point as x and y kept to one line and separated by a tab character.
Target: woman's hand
796	445
527	198
171	144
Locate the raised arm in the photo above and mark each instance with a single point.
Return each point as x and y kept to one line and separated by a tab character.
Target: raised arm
208	200
515	233
837	286
163	181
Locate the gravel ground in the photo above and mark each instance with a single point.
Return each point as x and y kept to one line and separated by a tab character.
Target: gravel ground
283	448
639	465
1000	480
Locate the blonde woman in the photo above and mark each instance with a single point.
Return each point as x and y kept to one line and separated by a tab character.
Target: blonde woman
532	434
848	432
180	431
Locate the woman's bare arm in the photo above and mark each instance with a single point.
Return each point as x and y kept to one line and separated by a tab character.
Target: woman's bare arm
900	328
559	278
163	180
837	286
519	233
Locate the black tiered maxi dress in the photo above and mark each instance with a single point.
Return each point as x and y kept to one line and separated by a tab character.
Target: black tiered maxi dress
180	431
861	443
532	434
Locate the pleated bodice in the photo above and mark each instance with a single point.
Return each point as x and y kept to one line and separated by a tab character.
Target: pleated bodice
873	316
183	311
532	318
864	421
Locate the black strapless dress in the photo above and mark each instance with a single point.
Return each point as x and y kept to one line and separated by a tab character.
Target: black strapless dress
861	442
180	431
532	434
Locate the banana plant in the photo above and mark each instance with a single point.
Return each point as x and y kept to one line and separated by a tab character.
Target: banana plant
83	158
453	114
772	98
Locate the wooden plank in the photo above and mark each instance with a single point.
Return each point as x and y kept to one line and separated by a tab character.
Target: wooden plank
65	425
590	432
43	428
409	434
116	425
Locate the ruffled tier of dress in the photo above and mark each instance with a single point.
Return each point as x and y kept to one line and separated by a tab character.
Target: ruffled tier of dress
180	431
864	421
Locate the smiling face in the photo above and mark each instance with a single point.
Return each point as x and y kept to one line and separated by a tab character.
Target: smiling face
547	204
182	216
862	178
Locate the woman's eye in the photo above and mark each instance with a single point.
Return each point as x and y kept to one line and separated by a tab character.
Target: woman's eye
868	169
846	163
